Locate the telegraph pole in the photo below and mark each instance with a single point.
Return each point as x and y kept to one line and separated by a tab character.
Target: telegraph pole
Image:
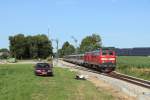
57	43
76	43
57	56
48	32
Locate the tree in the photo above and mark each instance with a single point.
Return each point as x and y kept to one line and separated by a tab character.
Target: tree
90	43
44	46
17	46
60	53
38	46
67	49
4	50
4	53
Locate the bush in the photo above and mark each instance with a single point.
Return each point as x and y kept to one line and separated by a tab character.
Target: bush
49	58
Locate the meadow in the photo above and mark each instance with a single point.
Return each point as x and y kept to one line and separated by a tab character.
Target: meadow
18	82
136	66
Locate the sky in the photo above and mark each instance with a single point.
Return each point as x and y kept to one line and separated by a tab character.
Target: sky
120	23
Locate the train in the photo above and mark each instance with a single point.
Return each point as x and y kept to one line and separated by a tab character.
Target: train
103	60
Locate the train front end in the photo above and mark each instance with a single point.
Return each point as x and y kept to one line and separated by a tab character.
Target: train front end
107	60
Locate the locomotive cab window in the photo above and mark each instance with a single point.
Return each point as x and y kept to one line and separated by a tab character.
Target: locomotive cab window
110	53
96	53
104	53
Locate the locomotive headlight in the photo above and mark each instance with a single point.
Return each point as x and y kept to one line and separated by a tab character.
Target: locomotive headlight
103	61
111	58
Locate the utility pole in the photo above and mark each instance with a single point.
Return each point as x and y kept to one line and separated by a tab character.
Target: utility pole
57	56
57	43
48	32
76	43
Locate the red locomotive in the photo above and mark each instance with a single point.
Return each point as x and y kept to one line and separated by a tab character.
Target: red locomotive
103	59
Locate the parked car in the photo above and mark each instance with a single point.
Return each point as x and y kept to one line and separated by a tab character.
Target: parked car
44	69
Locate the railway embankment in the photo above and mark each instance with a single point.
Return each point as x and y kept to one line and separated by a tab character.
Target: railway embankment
124	90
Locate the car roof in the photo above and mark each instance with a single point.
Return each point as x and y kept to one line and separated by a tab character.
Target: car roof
42	64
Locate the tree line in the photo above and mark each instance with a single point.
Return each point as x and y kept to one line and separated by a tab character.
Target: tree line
89	43
39	46
30	47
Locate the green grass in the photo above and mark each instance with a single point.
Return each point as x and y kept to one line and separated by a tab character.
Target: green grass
135	66
18	82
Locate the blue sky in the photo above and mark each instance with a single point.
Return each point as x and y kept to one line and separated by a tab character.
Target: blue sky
120	23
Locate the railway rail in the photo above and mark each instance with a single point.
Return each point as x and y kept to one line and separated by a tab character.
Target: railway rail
133	80
130	79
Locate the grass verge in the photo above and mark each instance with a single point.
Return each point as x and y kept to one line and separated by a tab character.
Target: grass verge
18	82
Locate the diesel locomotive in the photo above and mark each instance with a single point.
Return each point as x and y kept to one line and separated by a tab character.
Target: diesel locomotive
103	60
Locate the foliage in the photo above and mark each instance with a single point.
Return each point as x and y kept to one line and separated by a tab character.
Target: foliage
50	60
18	82
4	50
67	49
11	60
28	47
136	66
90	43
4	53
17	45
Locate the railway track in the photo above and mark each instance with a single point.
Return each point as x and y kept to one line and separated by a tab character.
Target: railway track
130	79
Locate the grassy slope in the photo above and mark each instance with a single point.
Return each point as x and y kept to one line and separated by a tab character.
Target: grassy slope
17	82
135	66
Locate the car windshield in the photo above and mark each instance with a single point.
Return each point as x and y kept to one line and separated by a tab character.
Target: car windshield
42	65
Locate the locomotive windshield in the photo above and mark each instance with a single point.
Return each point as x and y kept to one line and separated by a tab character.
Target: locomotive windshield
104	52
110	52
107	52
